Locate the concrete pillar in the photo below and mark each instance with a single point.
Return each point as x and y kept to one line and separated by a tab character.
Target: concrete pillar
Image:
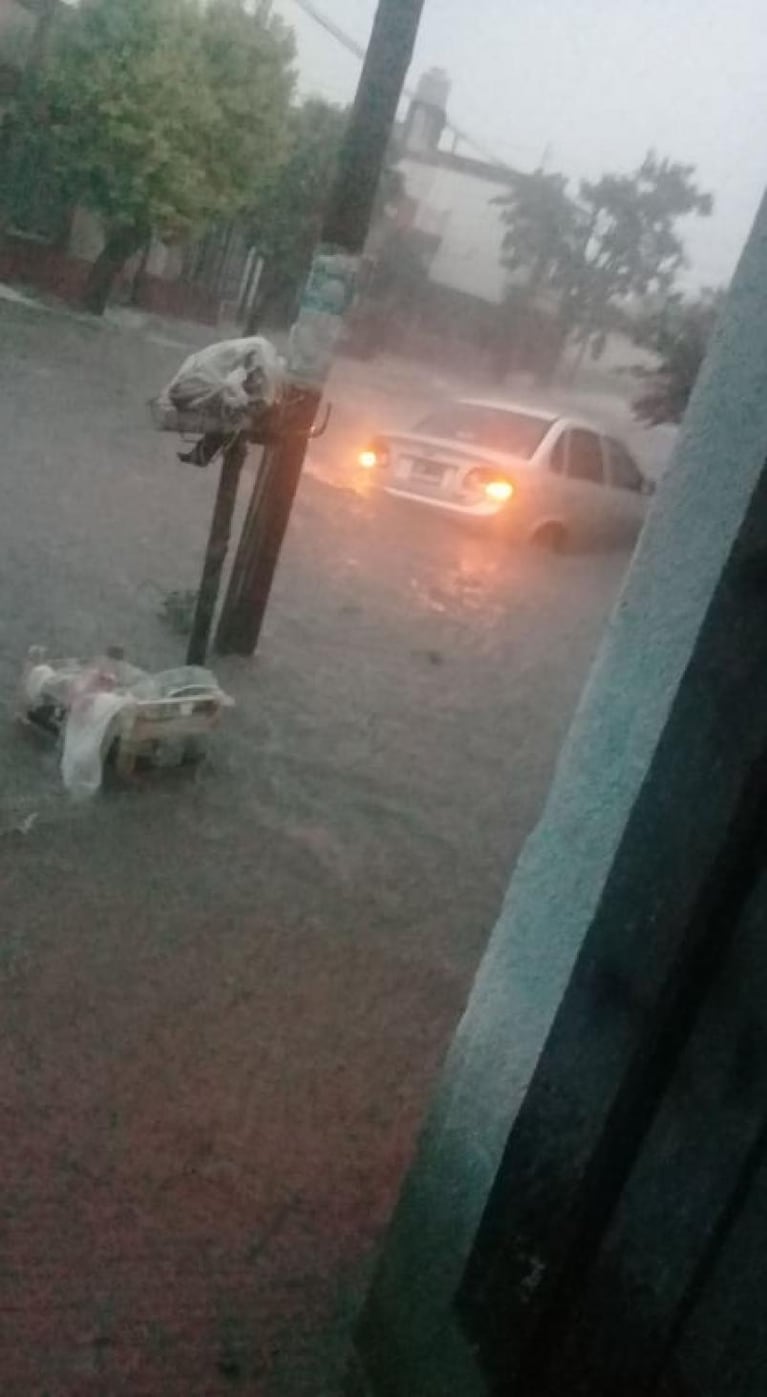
594	973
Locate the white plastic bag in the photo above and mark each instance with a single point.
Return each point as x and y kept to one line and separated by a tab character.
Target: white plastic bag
184	680
221	384
94	705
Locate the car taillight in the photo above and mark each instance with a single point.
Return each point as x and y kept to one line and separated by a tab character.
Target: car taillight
499	490
482	481
376	454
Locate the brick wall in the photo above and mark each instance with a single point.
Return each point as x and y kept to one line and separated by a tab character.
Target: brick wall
60	274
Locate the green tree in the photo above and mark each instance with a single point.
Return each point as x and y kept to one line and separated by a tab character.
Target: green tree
678	335
160	115
286	218
629	244
586	255
540	246
542	227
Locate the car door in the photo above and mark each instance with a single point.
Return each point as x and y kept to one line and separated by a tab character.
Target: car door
626	488
585	473
548	490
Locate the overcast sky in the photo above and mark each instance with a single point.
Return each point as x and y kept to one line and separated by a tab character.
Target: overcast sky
596	83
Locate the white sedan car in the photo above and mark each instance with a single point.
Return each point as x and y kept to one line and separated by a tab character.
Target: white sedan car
538	476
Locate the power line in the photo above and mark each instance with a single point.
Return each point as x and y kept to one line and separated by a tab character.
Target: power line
358	50
325	22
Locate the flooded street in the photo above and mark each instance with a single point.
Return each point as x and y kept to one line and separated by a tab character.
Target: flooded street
226	999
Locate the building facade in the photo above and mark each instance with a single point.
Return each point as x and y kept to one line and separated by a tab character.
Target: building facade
453	200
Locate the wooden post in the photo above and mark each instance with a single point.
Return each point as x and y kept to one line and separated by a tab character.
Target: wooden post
236	633
327	296
216	551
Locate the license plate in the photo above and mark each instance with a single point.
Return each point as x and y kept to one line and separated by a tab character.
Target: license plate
433	471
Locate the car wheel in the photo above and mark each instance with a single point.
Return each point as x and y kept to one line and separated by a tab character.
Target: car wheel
552	536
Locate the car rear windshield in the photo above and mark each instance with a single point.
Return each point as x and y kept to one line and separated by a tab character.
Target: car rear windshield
494	428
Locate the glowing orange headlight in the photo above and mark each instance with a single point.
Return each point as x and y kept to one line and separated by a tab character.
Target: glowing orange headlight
368	459
499	491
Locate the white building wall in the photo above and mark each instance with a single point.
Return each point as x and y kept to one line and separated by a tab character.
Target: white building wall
458	207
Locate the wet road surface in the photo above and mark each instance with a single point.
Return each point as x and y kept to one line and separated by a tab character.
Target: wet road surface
225	999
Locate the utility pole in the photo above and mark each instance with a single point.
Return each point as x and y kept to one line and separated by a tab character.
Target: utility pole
327	297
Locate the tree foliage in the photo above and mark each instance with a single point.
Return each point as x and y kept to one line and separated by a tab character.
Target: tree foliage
159	114
631	245
595	249
678	335
542	230
286	217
